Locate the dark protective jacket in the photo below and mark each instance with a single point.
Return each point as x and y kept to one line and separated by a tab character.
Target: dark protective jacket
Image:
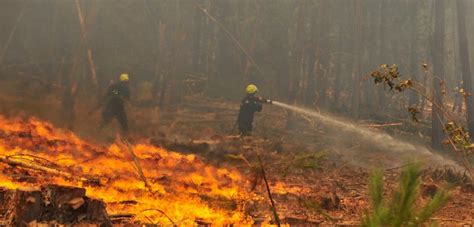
249	105
117	94
115	98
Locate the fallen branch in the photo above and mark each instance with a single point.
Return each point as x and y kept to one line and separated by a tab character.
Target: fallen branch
161	212
13	162
137	164
121	216
25	157
277	219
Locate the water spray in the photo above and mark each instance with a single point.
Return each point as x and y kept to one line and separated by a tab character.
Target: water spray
378	139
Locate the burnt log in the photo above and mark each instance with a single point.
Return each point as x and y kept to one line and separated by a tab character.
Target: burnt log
22	207
53	204
60	195
3	206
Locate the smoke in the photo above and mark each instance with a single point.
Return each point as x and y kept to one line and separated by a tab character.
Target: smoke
375	139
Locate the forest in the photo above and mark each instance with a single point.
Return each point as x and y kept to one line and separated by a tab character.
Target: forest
367	119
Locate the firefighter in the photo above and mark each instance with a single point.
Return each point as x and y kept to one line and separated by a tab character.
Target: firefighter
249	105
117	94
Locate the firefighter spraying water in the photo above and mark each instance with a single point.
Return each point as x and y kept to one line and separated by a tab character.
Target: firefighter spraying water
252	103
249	105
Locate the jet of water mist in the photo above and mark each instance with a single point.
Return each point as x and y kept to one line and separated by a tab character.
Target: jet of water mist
377	139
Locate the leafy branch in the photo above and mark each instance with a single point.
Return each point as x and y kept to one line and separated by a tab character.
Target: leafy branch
457	136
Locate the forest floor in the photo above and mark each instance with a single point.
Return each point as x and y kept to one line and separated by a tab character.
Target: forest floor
317	175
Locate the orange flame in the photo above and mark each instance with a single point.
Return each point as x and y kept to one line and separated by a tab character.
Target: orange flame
179	186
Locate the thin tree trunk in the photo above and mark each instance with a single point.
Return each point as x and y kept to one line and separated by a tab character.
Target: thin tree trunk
161	53
196	50
226	55
12	32
382	51
70	81
369	41
413	98
357	51
297	62
84	34
465	66
438	75
161	73
310	73
320	66
177	44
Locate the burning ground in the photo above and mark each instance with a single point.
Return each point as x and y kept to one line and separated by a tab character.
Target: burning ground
178	187
216	180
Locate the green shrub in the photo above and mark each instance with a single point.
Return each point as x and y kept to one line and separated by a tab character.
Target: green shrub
400	209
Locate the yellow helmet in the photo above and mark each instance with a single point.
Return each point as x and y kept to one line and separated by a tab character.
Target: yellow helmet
251	89
124	77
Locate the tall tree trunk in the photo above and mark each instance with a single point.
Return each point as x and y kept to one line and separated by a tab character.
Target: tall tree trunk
225	81
70	82
297	61
413	98
369	41
12	32
179	43
428	53
277	36
84	36
438	75
382	50
313	57
153	13
53	43
357	58
321	64
196	38
465	65
162	74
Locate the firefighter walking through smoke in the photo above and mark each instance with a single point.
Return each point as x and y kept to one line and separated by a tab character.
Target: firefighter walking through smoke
117	94
249	105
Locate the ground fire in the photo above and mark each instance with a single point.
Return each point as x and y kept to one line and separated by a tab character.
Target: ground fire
236	113
34	153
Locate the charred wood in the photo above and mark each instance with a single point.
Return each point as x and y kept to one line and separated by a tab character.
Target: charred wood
53	204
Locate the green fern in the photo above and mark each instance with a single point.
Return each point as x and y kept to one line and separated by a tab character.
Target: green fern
401	210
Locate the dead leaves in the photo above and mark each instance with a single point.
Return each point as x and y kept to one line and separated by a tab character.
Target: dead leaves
458	136
389	75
